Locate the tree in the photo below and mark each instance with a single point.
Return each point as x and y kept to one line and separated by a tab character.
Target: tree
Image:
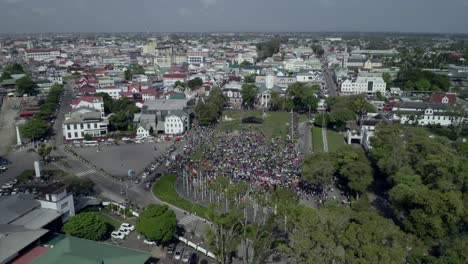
359	176
44	152
88	137
268	48
34	129
196	82
249	93
277	101
344	236
14	68
387	78
157	223
128	74
250	78
318	169
207	114
224	234
5	76
89	225
181	84
245	64
303	97
360	106
25	85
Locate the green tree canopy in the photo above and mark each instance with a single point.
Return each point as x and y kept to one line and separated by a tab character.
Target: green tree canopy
250	78
249	93
157	223
5	76
25	85
44	152
303	96
345	236
196	82
89	225
34	129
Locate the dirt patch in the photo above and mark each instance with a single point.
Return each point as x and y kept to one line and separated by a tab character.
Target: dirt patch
8	116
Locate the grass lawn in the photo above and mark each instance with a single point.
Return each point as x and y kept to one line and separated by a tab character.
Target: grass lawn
335	140
317	142
275	123
164	189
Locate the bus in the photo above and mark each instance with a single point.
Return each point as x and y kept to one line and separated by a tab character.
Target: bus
90	143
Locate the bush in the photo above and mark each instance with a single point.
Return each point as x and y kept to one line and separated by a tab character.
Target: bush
252	120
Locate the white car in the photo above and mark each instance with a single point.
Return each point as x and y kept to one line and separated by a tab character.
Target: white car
149	242
124	231
125	139
127	226
117	235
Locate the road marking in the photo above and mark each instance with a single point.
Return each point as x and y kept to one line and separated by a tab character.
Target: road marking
187	220
83	173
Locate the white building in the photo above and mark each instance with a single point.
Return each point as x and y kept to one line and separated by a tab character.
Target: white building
364	84
142	132
112	91
41	54
171	78
59	200
82	121
94	102
423	113
195	59
176	123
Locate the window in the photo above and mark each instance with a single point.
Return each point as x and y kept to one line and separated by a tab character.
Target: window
76	134
89	126
68	127
69	135
95	125
64	205
75	126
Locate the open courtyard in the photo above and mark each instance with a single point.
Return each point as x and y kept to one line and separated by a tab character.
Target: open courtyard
117	160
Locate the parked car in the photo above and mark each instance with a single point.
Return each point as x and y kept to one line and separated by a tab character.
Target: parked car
170	249
117	235
124	231
186	256
127	226
149	242
126	139
178	253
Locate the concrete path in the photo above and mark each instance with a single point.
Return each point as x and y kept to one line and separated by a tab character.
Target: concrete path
324	139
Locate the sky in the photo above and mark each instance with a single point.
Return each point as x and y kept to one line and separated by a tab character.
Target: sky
36	16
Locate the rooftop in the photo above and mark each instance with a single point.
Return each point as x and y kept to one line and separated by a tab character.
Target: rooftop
166	104
72	250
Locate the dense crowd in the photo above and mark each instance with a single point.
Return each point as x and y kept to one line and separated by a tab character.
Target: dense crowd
245	156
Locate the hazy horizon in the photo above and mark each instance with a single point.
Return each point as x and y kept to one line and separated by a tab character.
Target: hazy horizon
241	16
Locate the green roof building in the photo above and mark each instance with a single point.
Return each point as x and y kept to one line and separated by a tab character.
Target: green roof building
177	96
72	250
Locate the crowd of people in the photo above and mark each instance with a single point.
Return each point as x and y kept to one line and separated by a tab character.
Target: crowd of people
245	156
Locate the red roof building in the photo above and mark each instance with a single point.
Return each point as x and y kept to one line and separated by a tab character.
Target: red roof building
444	98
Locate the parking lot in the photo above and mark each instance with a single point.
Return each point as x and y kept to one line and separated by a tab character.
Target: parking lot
118	159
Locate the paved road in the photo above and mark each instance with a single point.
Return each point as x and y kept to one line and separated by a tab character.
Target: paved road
305	138
330	83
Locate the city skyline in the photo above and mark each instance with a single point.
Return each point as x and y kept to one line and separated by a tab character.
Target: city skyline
26	16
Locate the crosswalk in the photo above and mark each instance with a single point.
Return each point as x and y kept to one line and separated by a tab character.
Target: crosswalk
74	170
84	173
187	220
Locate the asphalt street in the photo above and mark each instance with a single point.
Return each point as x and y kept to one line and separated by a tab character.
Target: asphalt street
330	83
